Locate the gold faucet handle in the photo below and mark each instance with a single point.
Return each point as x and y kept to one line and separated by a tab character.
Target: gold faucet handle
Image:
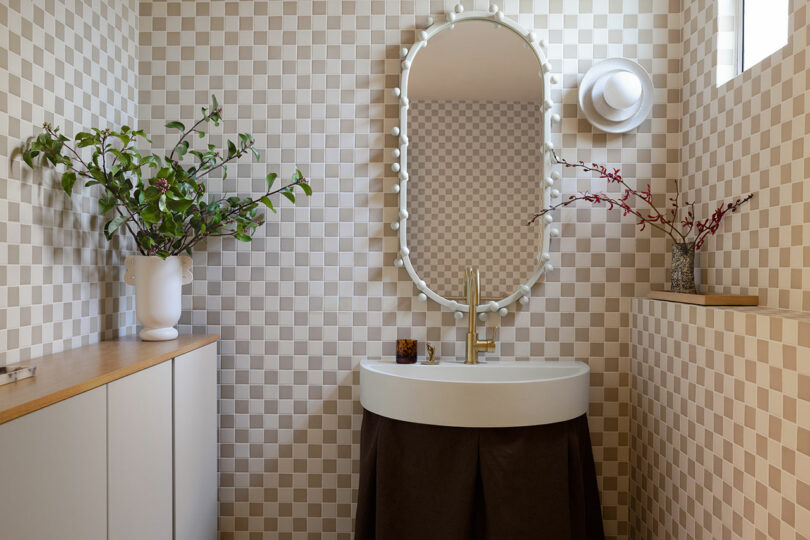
495	332
488	345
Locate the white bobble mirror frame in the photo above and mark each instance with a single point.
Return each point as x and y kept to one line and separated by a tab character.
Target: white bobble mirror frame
522	292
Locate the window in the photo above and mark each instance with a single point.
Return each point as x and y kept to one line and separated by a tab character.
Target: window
764	30
748	31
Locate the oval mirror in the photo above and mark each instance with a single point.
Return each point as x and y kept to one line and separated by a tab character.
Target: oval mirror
472	160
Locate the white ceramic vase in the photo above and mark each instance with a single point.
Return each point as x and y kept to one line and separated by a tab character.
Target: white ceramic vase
158	293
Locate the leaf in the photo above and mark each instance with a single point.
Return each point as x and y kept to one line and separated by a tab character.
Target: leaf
151	194
168	225
231	149
289	195
151	214
111	226
255	153
141	133
268	203
106	203
241	237
307	189
145	242
162	203
68	179
28	157
182	148
122	137
176	125
214	104
180	205
269	179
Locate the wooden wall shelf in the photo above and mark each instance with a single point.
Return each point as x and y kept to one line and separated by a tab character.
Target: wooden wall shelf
705	299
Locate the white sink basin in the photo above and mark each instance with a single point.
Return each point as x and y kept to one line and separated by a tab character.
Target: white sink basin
495	394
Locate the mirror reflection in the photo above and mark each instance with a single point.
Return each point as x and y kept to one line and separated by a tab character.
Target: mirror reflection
474	158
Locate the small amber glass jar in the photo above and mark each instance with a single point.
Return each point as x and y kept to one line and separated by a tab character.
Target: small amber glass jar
406	351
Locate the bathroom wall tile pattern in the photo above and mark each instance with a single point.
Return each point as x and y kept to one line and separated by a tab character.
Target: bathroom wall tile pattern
72	63
751	134
719	438
317	290
477	180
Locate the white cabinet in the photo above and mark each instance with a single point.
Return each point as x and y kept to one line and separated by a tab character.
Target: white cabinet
139	444
53	471
195	444
134	459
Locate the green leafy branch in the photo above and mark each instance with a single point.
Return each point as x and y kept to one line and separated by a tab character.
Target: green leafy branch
161	202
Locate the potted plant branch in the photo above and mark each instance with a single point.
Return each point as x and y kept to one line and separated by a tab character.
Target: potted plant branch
161	202
678	221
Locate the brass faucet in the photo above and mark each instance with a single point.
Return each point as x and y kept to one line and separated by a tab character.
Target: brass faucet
472	292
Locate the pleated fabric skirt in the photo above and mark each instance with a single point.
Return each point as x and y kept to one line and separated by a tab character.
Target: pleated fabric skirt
423	482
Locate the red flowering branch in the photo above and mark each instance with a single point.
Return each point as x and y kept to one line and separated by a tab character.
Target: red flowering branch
670	222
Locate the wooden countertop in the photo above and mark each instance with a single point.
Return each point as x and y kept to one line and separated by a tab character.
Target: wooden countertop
63	375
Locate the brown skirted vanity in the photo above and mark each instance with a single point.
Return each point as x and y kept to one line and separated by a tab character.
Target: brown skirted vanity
113	440
451	483
485	450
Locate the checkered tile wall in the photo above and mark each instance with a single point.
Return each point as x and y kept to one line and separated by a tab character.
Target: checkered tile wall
317	291
751	134
72	63
720	446
717	448
476	169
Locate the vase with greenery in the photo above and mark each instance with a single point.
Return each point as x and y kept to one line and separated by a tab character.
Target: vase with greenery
677	221
162	202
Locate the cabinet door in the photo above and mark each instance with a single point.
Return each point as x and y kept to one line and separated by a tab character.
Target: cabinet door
139	443
195	444
53	471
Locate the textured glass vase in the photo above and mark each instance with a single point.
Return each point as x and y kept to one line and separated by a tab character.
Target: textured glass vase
683	268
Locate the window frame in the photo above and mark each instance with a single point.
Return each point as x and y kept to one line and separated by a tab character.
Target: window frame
739	36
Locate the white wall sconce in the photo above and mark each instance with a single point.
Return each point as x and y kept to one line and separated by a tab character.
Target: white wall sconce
616	95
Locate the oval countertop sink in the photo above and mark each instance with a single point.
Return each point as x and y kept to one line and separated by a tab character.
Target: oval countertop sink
493	394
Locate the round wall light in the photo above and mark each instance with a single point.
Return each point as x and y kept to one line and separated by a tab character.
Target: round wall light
616	95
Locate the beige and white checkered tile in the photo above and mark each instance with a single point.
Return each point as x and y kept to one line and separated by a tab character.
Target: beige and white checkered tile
718	447
476	169
71	63
751	135
317	290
